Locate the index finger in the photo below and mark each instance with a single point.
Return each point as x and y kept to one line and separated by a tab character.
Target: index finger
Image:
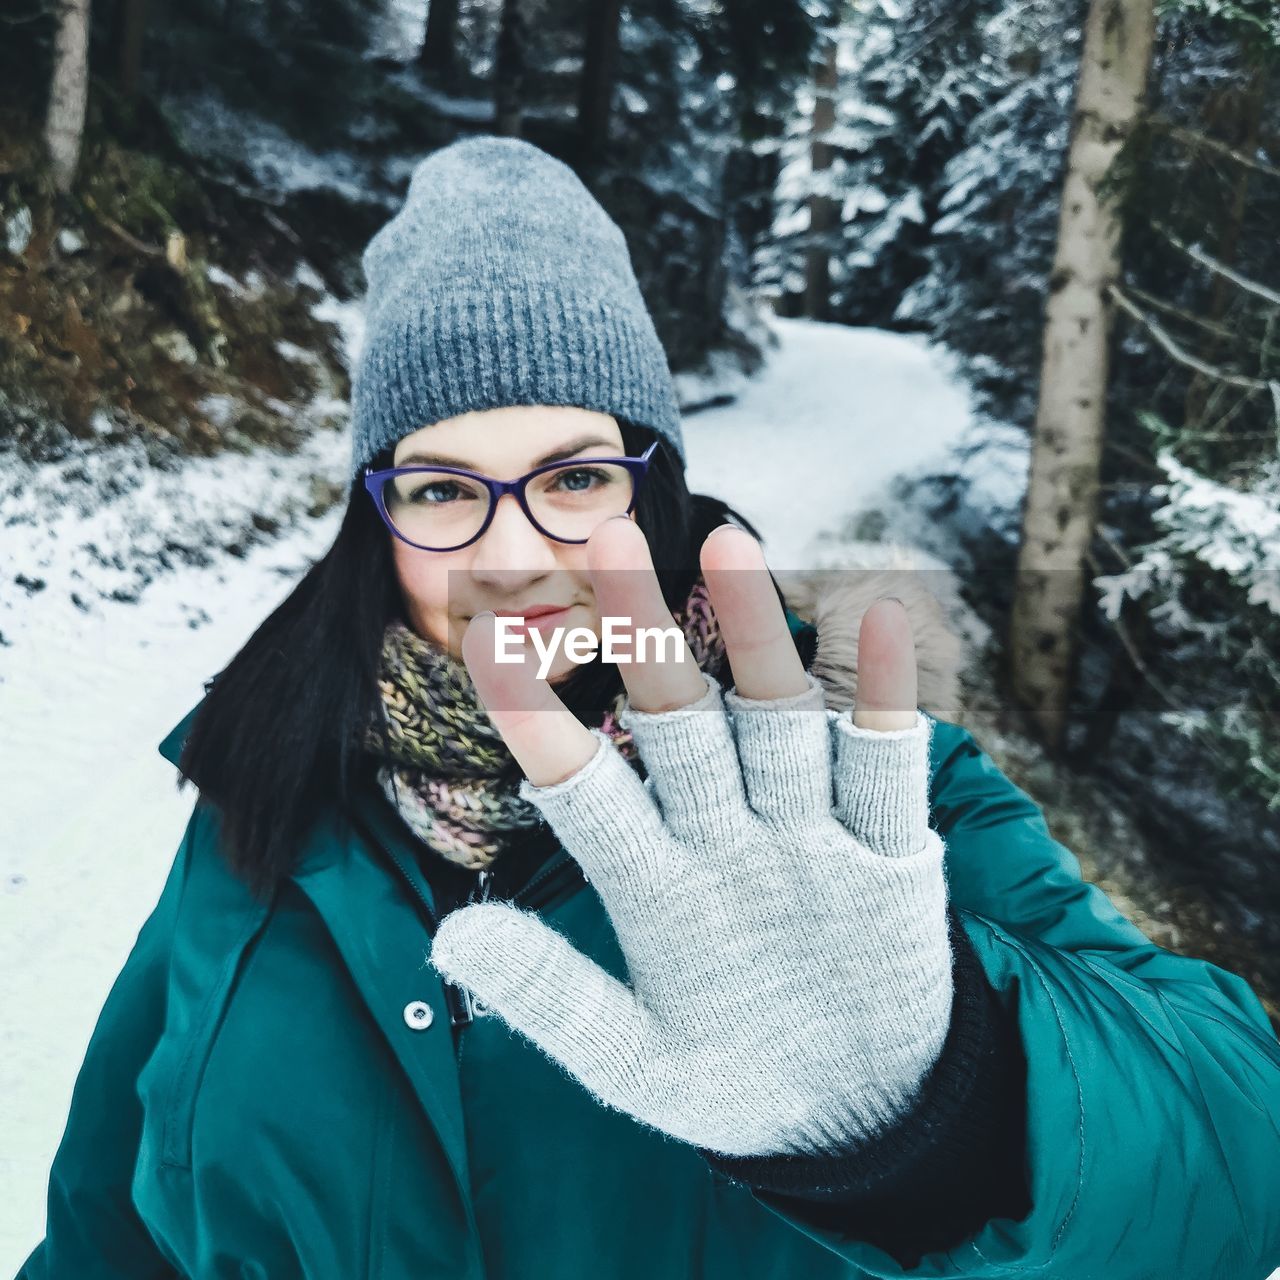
548	741
627	589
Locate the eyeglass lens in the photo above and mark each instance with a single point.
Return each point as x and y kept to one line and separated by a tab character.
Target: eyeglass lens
440	510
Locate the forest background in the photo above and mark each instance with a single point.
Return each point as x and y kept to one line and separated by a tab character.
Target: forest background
180	184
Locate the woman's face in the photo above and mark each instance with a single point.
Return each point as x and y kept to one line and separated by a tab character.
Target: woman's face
512	566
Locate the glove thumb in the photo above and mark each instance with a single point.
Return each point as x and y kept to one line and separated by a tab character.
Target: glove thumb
541	986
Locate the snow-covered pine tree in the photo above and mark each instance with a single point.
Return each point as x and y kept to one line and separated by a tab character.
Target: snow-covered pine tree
912	74
926	87
991	244
1191	566
699	88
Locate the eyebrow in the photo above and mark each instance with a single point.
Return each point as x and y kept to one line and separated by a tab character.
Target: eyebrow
556	455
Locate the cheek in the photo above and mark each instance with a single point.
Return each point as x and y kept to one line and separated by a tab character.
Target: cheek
424	581
573	563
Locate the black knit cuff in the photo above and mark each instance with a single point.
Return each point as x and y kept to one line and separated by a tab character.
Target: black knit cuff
949	1164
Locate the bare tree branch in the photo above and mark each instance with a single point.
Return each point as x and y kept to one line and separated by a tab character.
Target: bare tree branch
1140	666
151	250
1179	353
1160	304
1193	139
1196	254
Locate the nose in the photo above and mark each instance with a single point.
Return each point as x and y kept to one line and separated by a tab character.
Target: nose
512	550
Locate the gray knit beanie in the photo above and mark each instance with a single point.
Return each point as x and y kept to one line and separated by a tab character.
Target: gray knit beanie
502	281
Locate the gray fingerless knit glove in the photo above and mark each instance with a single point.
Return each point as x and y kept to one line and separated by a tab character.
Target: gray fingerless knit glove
780	901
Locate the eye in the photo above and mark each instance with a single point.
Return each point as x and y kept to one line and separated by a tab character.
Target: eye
437	492
580	479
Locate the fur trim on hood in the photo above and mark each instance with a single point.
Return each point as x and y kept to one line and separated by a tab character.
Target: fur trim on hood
834	600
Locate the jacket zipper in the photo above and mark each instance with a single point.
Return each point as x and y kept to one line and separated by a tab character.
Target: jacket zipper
562	868
462	1004
481	894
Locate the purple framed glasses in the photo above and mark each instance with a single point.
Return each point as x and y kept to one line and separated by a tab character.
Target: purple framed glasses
448	508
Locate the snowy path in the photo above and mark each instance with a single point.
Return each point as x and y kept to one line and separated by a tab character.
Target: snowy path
817	439
90	818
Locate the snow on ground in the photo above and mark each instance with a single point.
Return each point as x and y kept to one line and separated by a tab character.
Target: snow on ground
278	162
816	439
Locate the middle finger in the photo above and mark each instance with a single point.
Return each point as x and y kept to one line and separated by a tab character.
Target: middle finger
762	653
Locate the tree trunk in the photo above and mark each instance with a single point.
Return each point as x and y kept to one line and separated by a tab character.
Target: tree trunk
750	180
439	54
822	208
1062	489
508	71
68	92
595	97
133	30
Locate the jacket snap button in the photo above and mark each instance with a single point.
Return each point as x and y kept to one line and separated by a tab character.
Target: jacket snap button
418	1015
479	1008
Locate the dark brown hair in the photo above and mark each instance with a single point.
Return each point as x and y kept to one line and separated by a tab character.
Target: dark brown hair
276	739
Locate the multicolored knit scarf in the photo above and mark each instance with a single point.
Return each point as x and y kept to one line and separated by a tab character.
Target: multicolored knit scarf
442	763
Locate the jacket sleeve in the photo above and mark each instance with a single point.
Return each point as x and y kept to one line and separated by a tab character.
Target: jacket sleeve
1151	1140
92	1231
950	1163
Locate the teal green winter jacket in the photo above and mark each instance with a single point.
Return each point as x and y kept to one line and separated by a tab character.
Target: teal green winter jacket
265	1096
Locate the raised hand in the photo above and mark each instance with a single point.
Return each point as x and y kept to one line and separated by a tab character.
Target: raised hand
775	887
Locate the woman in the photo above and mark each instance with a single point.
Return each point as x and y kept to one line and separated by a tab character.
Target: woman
694	973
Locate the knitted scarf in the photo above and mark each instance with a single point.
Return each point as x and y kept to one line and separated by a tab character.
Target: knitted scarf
444	766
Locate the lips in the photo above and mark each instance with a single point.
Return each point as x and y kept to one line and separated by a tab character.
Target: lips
536	618
537	611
